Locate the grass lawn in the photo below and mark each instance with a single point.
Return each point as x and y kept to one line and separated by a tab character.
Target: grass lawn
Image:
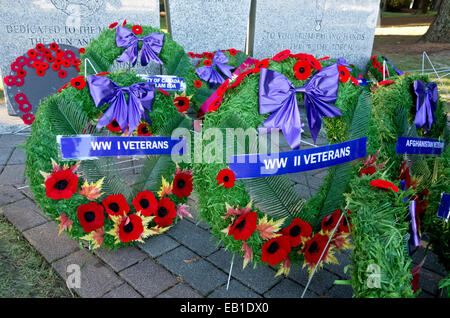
388	14
23	271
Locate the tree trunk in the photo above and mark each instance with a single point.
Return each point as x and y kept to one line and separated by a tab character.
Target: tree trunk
417	4
439	30
436	5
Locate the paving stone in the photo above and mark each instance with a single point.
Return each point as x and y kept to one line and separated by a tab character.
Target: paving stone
9	194
157	245
320	173
96	278
340	291
13	175
197	272
431	263
321	282
121	258
180	291
195	212
5	153
260	279
22	214
148	278
429	281
198	240
288	289
46	240
235	290
13	140
344	260
18	157
123	291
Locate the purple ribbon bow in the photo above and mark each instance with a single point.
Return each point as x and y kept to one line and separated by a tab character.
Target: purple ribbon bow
151	46
277	96
427	97
104	91
209	73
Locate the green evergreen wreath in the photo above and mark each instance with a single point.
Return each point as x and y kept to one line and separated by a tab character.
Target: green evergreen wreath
271	200
380	219
61	188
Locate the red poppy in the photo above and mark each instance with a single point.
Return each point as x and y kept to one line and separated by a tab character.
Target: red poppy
116	204
209	56
137	29
76	62
40	72
344	225
28	118
232	51
31	53
56	66
25	107
39	47
21	60
9	80
50	58
66	63
354	81
369	170
197	83
199	55
182	185
166	212
114	126
68	55
21	98
376	64
383	184
131	228
181	103
191	54
15	66
239	79
215	104
296	231
21	73
43	66
91	216
63	87
62	73
207	62
61	184
19	81
54	46
276	250
143	130
315	247
314	62
124	22
113	25
59	60
82	50
145	202
302	70
226	178
344	74
262	64
59	54
244	226
46	52
78	82
330	221
281	55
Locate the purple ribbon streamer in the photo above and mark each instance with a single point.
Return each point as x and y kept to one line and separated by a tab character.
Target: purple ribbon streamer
210	74
277	96
412	212
105	91
427	97
392	65
151	46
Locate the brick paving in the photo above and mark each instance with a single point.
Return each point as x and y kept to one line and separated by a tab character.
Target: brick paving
185	262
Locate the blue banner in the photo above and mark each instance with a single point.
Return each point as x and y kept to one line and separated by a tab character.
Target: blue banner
422	146
90	147
264	165
444	207
169	83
